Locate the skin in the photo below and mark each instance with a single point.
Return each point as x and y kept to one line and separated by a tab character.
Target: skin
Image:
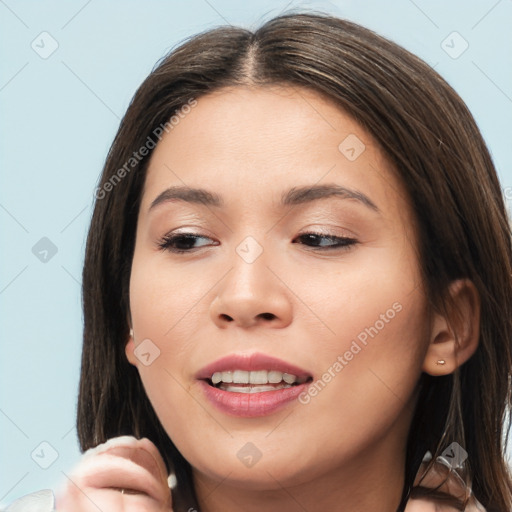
121	463
295	302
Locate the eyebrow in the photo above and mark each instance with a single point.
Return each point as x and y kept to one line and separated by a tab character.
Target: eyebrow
294	196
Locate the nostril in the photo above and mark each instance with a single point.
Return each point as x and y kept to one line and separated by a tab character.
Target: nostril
226	317
267	316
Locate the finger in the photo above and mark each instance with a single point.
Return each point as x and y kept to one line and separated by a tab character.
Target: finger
420	506
143	453
108	500
120	463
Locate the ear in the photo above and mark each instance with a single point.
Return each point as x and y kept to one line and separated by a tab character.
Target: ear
129	348
454	334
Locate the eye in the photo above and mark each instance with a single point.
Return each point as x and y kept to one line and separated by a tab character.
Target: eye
324	242
184	242
187	242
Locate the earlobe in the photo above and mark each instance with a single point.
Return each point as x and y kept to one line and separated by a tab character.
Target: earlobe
129	348
454	333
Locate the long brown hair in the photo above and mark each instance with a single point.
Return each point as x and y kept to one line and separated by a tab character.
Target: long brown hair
438	153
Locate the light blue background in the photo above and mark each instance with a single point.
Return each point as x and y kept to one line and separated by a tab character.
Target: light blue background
58	118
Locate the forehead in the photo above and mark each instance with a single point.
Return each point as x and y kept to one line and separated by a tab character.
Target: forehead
252	143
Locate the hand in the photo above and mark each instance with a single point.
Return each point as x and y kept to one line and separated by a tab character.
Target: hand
441	478
126	464
421	506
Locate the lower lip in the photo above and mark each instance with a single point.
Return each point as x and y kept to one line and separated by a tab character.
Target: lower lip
250	405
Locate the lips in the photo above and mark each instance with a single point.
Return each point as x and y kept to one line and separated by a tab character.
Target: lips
250	385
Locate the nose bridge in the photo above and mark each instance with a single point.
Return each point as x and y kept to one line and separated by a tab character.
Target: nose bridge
250	270
249	273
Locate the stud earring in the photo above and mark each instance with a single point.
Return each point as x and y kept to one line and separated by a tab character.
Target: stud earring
131	333
441	362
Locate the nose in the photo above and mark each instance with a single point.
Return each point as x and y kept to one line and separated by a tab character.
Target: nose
251	295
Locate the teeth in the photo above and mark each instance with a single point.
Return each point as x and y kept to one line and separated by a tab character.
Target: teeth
275	377
240	377
222	377
288	378
227	377
260	377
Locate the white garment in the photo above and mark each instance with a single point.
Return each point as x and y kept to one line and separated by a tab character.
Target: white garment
39	501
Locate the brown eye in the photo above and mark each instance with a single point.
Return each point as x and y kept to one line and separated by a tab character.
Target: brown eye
323	242
183	242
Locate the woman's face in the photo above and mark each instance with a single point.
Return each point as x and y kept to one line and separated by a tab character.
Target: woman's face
298	258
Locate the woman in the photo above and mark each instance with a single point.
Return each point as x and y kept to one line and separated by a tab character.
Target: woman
296	286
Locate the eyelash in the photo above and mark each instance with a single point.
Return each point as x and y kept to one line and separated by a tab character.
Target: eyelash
166	243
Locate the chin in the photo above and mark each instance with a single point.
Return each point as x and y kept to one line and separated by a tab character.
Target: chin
261	476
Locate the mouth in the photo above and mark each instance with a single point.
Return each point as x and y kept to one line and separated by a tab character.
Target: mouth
251	385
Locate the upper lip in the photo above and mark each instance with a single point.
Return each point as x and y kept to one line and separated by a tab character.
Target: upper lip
250	362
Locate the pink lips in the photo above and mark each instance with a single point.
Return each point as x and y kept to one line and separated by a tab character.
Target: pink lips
250	404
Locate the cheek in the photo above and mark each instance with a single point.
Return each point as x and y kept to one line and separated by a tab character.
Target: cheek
165	300
377	314
374	300
378	350
368	371
167	307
